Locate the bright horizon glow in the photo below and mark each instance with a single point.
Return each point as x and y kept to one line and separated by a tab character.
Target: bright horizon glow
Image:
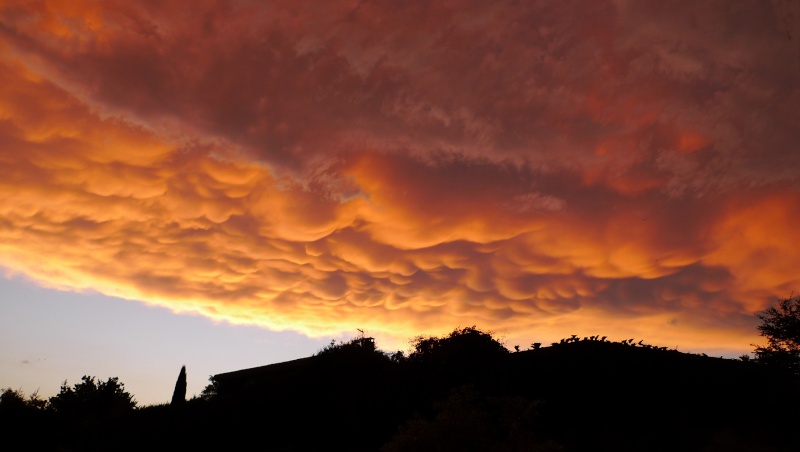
48	336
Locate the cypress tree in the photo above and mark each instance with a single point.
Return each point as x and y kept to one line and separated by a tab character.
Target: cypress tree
179	395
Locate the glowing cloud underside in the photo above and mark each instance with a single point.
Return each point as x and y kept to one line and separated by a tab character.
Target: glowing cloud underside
544	169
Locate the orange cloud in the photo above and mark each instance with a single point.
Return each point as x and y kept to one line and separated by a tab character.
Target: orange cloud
753	239
324	170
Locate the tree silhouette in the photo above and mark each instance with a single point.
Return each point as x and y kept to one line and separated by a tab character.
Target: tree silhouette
24	417
13	399
468	344
356	352
93	398
12	402
179	395
781	326
211	390
465	356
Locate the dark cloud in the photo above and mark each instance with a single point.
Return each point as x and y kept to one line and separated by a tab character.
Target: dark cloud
541	166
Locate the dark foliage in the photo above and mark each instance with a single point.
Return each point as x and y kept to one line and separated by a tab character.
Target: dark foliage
14	403
781	326
211	390
23	418
91	415
93	398
354	350
463	391
462	345
466	354
12	400
468	420
179	394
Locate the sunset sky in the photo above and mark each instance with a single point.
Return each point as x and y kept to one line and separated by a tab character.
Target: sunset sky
229	184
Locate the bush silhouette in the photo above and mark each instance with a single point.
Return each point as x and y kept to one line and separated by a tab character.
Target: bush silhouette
462	345
360	345
781	326
466	355
12	401
93	398
211	390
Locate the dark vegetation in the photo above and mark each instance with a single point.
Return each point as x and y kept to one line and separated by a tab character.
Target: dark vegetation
462	392
781	326
179	394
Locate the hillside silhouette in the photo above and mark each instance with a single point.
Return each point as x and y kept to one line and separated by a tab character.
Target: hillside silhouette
461	392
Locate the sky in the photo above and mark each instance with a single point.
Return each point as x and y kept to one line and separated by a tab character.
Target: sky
237	183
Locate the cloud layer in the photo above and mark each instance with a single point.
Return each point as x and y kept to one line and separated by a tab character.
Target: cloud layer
544	168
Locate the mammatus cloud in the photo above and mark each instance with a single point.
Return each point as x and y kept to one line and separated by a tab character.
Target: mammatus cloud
546	169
